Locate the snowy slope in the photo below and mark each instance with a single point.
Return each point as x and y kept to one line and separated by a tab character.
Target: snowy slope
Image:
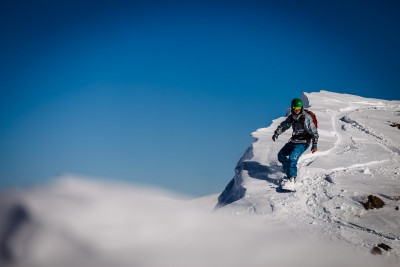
358	156
77	221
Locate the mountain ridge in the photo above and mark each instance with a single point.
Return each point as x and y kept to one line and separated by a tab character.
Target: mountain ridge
358	149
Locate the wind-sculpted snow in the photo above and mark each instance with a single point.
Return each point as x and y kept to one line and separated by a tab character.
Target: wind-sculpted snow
361	127
358	156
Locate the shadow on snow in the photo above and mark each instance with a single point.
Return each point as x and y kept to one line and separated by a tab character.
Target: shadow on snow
235	191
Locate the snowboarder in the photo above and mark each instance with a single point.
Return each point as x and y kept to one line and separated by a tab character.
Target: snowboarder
304	133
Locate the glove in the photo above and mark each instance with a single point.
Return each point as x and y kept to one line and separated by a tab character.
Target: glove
314	148
275	136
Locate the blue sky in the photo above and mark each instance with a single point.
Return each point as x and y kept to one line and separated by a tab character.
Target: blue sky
166	93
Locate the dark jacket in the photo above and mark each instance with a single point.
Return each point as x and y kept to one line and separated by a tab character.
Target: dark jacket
304	130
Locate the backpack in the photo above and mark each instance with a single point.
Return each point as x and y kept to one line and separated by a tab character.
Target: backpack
313	116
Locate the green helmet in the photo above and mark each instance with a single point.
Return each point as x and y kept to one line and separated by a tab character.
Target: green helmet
297	103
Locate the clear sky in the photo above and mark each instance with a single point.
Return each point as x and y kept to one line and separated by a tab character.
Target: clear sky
167	93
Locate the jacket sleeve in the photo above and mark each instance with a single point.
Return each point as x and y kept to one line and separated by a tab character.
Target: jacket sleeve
286	124
309	126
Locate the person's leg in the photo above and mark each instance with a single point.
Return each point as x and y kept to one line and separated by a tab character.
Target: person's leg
283	157
297	151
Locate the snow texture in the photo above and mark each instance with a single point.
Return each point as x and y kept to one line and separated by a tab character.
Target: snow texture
77	221
358	156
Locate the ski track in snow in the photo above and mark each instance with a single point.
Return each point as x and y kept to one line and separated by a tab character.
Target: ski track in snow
318	200
319	186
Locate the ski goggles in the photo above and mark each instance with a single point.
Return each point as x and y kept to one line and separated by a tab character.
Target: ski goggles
296	108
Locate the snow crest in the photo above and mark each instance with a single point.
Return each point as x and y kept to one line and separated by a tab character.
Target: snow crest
358	156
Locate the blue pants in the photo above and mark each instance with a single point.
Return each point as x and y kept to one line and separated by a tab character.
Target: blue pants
289	155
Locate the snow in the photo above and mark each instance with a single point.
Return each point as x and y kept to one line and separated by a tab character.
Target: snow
358	155
78	221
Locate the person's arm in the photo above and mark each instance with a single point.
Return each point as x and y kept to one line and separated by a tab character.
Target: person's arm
313	131
286	124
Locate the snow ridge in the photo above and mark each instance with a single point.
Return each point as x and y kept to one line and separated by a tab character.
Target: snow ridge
358	156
